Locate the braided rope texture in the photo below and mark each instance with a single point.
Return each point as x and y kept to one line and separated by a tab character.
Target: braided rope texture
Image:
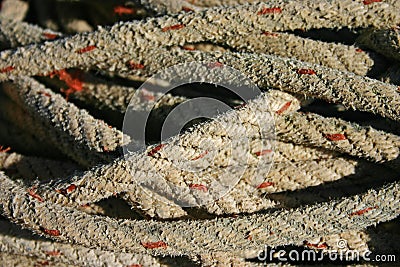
78	189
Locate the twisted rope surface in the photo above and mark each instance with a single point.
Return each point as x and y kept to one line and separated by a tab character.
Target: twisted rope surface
327	173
